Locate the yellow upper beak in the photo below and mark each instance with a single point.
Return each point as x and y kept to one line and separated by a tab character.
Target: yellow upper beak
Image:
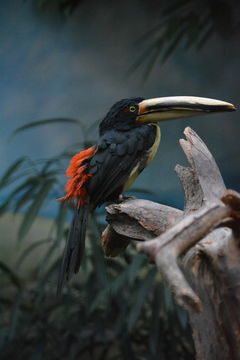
175	107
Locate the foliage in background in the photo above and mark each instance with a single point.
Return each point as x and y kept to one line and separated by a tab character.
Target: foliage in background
115	309
187	23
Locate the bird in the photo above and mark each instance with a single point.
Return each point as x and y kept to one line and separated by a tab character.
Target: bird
129	137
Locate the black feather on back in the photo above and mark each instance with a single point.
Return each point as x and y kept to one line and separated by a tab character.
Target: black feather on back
118	153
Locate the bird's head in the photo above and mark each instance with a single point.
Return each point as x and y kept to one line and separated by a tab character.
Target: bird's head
132	112
122	115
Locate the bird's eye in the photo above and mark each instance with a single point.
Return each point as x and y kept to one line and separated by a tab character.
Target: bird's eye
132	108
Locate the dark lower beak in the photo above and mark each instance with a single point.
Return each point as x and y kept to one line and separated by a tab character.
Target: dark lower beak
175	107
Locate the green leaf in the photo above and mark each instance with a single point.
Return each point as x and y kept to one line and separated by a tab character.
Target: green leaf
182	316
10	273
98	257
114	265
60	224
133	269
25	198
30	182
29	249
34	208
110	290
140	60
47	122
14	317
168	299
173	42
54	267
10	171
119	282
205	35
98	300
154	321
4	207
139	298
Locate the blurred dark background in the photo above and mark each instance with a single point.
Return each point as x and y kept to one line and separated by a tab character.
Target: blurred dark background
68	61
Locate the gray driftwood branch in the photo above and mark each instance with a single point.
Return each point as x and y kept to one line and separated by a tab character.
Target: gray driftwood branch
196	250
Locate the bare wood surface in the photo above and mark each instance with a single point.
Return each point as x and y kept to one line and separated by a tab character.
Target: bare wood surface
207	282
166	249
212	268
193	194
142	216
204	165
135	220
143	220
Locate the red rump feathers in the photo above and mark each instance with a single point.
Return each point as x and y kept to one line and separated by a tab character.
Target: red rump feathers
78	177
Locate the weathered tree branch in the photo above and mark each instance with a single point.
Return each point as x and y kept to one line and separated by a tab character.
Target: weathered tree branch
208	233
135	220
144	220
204	166
166	249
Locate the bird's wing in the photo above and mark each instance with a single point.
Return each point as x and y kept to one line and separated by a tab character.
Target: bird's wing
117	155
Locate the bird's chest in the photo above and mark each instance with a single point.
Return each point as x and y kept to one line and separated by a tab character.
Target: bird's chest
145	159
153	150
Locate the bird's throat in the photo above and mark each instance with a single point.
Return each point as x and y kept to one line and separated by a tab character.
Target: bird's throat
149	158
154	147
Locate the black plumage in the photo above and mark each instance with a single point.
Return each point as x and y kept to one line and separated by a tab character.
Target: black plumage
123	147
128	141
116	162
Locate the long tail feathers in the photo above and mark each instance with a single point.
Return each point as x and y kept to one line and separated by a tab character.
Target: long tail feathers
75	246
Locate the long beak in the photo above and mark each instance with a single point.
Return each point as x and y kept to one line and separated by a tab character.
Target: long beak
175	107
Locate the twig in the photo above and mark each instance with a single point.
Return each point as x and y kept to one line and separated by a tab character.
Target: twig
204	165
135	220
166	248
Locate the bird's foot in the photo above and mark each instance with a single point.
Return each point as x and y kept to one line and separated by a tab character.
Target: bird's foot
122	198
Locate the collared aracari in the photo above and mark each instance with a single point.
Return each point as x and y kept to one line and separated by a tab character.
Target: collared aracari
128	141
